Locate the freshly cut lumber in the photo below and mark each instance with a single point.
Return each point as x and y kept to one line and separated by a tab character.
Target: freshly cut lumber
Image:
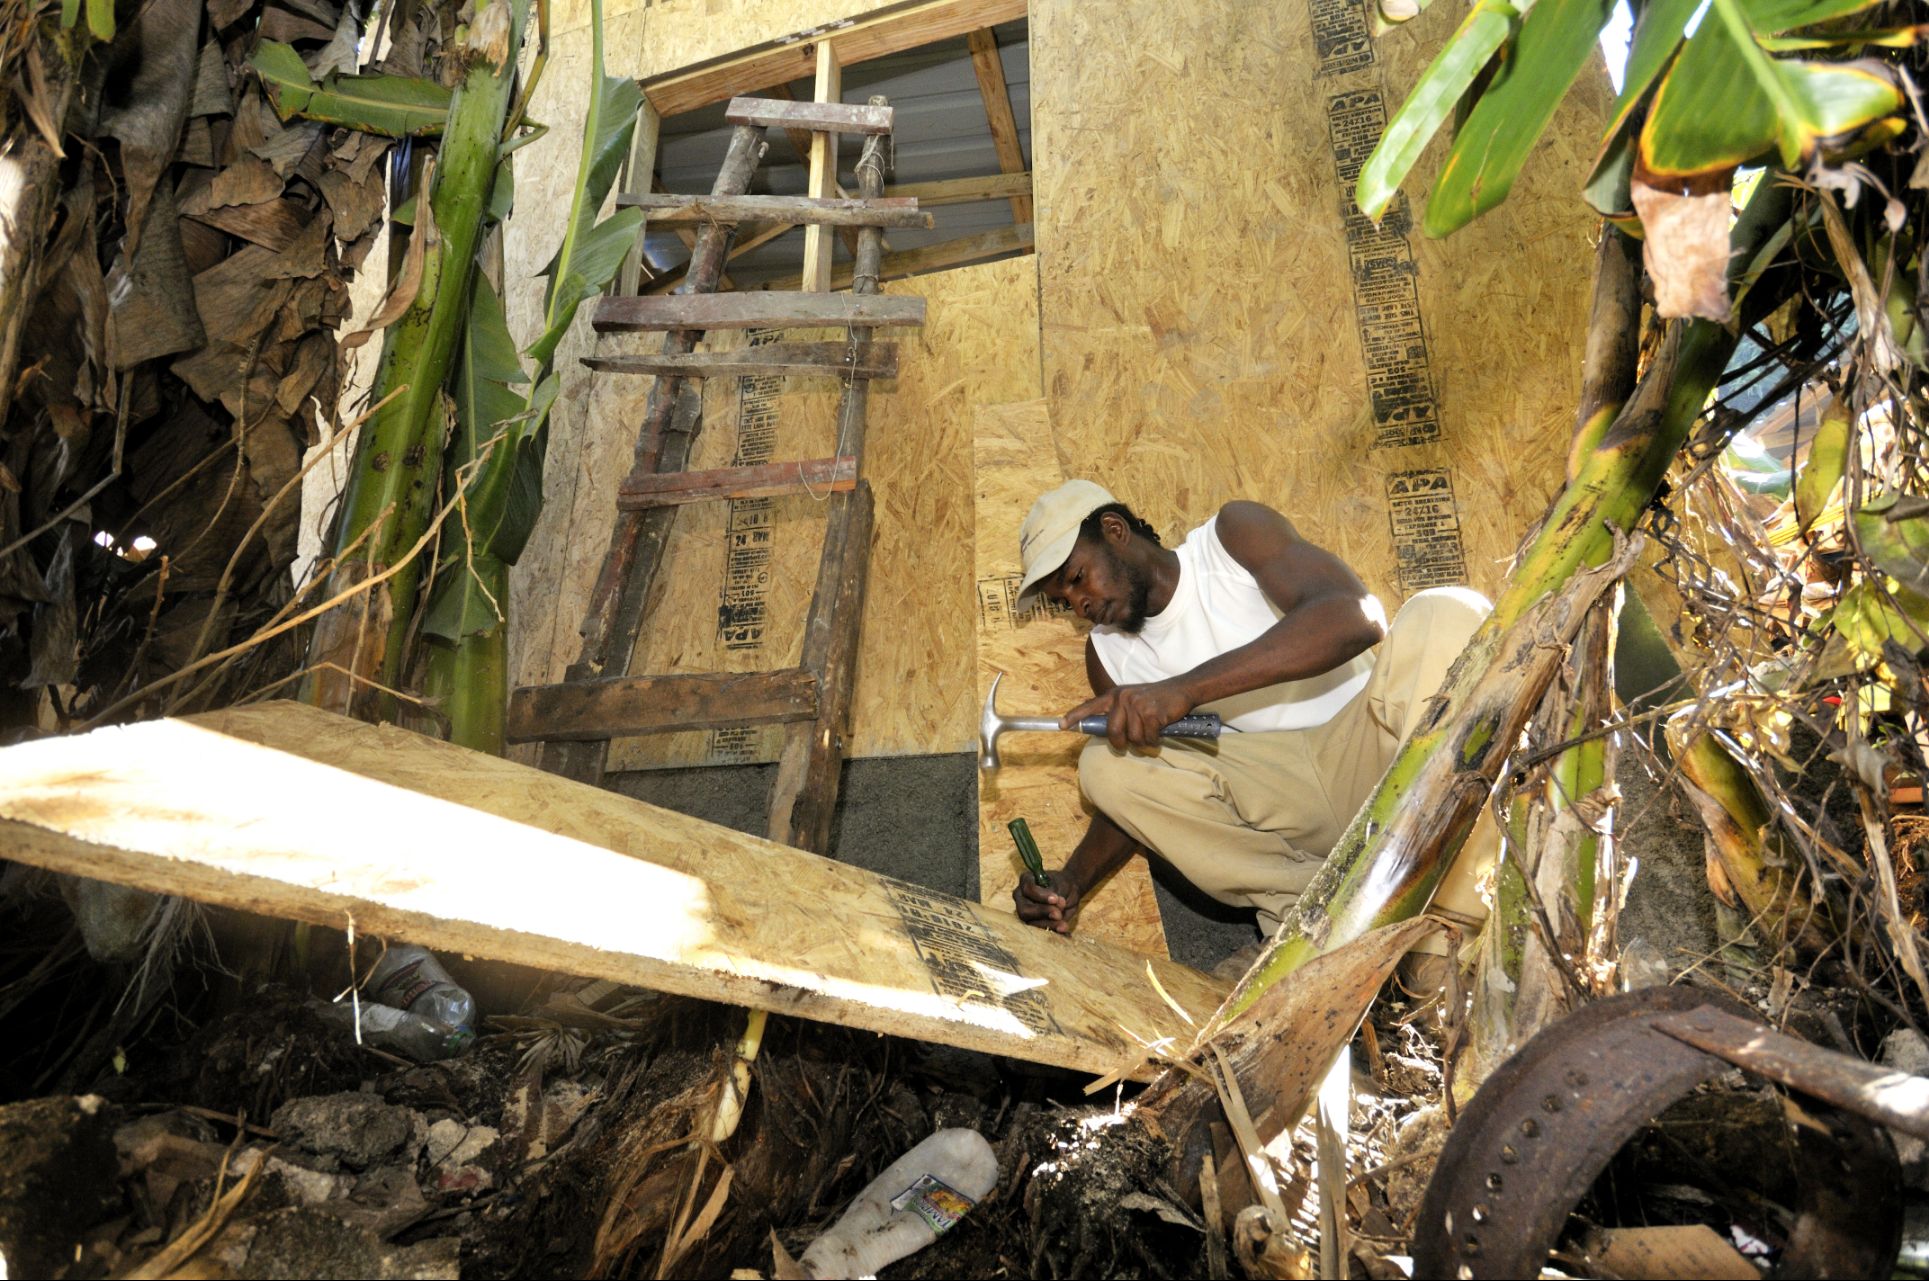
769	480
585	711
818	117
759	310
859	360
290	811
668	209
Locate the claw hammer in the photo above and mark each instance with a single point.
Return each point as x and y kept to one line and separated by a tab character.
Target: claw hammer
991	725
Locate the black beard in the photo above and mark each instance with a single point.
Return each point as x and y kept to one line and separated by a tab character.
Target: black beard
1138	583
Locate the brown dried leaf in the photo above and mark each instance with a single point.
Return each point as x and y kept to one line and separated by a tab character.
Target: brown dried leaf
248	181
153	304
34	98
290	147
307	255
197	144
1686	250
280	24
211	95
408	282
161	44
237	297
311	360
357	205
273	224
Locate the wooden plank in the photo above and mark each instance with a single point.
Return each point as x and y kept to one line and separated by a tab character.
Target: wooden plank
824	117
803	798
961	191
816	476
990	70
800	142
828	87
289	811
793	57
1041	653
584	711
836	359
639	169
947	254
671	209
758	310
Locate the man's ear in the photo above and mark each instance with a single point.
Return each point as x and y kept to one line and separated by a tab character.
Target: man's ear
1117	532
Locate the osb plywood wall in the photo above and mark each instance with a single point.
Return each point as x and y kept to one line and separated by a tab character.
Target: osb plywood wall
1220	322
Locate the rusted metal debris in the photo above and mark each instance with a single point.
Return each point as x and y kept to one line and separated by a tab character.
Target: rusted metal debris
1548	1121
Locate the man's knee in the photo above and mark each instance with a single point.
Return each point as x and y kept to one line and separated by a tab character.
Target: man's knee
1105	776
1443	615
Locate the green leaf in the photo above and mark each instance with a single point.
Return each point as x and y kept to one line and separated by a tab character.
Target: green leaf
606	139
1869	617
1777	16
1726	101
466	599
1828	455
1886	37
1430	102
1894	533
69	14
1610	187
502	193
1656	37
100	20
1557	38
393	106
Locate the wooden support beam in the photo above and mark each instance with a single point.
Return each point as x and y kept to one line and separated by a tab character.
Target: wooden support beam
585	711
815	117
769	480
758	309
639	170
1004	127
289	811
820	359
828	88
946	253
960	191
794	57
787	210
800	143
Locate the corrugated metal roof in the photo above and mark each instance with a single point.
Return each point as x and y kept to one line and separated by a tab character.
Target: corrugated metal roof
940	131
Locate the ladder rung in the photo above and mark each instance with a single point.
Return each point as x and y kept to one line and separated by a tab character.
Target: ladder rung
590	710
771	480
758	309
669	208
838	359
818	117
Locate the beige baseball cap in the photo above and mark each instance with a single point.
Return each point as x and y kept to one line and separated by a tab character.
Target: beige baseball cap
1050	531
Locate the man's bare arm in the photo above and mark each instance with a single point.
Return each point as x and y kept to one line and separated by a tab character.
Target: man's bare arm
1104	847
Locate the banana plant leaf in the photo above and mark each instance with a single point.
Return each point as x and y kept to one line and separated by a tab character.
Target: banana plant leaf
393	106
1557	39
1726	101
1446	79
1821	472
1894	532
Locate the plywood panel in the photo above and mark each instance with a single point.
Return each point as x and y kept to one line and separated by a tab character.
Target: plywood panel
1216	326
737	579
1041	654
537	870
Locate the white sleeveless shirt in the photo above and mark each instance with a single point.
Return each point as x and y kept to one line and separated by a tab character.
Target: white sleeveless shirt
1218	606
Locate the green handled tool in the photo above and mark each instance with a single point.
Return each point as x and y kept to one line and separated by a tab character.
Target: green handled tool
1028	850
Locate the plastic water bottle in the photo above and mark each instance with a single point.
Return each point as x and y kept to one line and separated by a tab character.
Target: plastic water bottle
410	978
397	1031
915	1201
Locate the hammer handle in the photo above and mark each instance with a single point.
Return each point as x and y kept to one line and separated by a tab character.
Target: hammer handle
1197	725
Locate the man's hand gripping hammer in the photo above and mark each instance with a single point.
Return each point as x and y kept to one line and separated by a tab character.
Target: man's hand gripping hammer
991	725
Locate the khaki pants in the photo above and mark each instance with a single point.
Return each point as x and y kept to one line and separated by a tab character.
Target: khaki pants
1250	821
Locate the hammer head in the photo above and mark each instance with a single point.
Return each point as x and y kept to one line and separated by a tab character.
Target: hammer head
990	725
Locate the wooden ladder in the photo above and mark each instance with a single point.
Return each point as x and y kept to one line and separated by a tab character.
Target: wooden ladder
598	698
